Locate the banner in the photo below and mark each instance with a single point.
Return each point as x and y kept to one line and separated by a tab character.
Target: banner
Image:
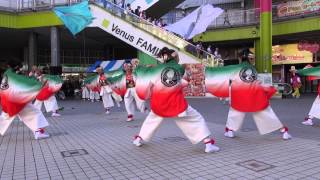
196	76
290	54
298	7
137	37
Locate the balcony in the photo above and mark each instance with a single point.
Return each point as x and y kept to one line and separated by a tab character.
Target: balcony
238	18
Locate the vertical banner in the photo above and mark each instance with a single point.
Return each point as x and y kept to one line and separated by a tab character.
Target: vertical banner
195	73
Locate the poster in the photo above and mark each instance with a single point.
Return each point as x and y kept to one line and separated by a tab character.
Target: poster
300	7
195	73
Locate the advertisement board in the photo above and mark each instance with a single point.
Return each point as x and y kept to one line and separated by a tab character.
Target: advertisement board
195	74
300	7
290	54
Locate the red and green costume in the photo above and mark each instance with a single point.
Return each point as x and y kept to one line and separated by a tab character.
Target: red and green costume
164	85
17	92
245	96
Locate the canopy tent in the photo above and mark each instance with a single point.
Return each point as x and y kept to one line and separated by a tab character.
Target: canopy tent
107	65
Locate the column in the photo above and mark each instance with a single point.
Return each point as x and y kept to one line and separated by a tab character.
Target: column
264	61
32	50
55	46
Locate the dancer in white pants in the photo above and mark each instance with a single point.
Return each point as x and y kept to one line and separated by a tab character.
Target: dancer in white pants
246	95
266	121
107	100
313	113
19	104
167	101
85	93
50	105
31	117
94	95
131	95
254	98
129	99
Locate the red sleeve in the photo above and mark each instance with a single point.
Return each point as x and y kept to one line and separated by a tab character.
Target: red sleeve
270	91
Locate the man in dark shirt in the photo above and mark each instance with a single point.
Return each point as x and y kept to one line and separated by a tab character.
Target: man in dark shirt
137	11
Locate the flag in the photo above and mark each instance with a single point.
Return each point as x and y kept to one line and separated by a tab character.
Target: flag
217	79
196	22
92	82
117	81
75	17
53	84
17	91
312	73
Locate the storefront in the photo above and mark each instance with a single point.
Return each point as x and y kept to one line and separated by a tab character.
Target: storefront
298	55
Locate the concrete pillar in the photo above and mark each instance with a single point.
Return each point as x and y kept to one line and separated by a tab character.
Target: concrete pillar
32	50
55	46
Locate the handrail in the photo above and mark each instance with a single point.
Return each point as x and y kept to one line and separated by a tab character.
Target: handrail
181	44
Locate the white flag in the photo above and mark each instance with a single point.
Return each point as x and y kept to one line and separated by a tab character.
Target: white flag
196	22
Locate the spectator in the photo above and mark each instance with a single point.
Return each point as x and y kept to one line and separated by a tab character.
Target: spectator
143	15
216	53
160	23
226	18
123	4
137	11
209	50
154	22
149	19
245	55
129	10
199	50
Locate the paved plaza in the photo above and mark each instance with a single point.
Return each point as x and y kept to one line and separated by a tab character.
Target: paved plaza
86	143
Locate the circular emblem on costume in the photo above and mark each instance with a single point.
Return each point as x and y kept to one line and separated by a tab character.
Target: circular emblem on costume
248	74
4	83
170	76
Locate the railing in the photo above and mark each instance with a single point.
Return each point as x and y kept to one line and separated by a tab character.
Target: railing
27	5
175	41
233	18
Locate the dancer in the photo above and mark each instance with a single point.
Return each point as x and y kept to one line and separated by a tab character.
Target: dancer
313	73
130	93
94	95
164	83
84	89
53	84
92	83
238	82
105	90
17	92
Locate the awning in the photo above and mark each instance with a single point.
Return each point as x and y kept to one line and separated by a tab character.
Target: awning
107	65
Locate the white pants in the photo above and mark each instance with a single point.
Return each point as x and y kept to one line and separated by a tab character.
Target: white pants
315	109
94	95
30	115
107	100
266	120
85	93
50	104
128	101
116	97
192	125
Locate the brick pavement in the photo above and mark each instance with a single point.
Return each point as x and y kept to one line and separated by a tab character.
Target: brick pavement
105	150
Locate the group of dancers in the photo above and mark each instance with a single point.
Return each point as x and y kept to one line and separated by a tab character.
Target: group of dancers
163	84
18	92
